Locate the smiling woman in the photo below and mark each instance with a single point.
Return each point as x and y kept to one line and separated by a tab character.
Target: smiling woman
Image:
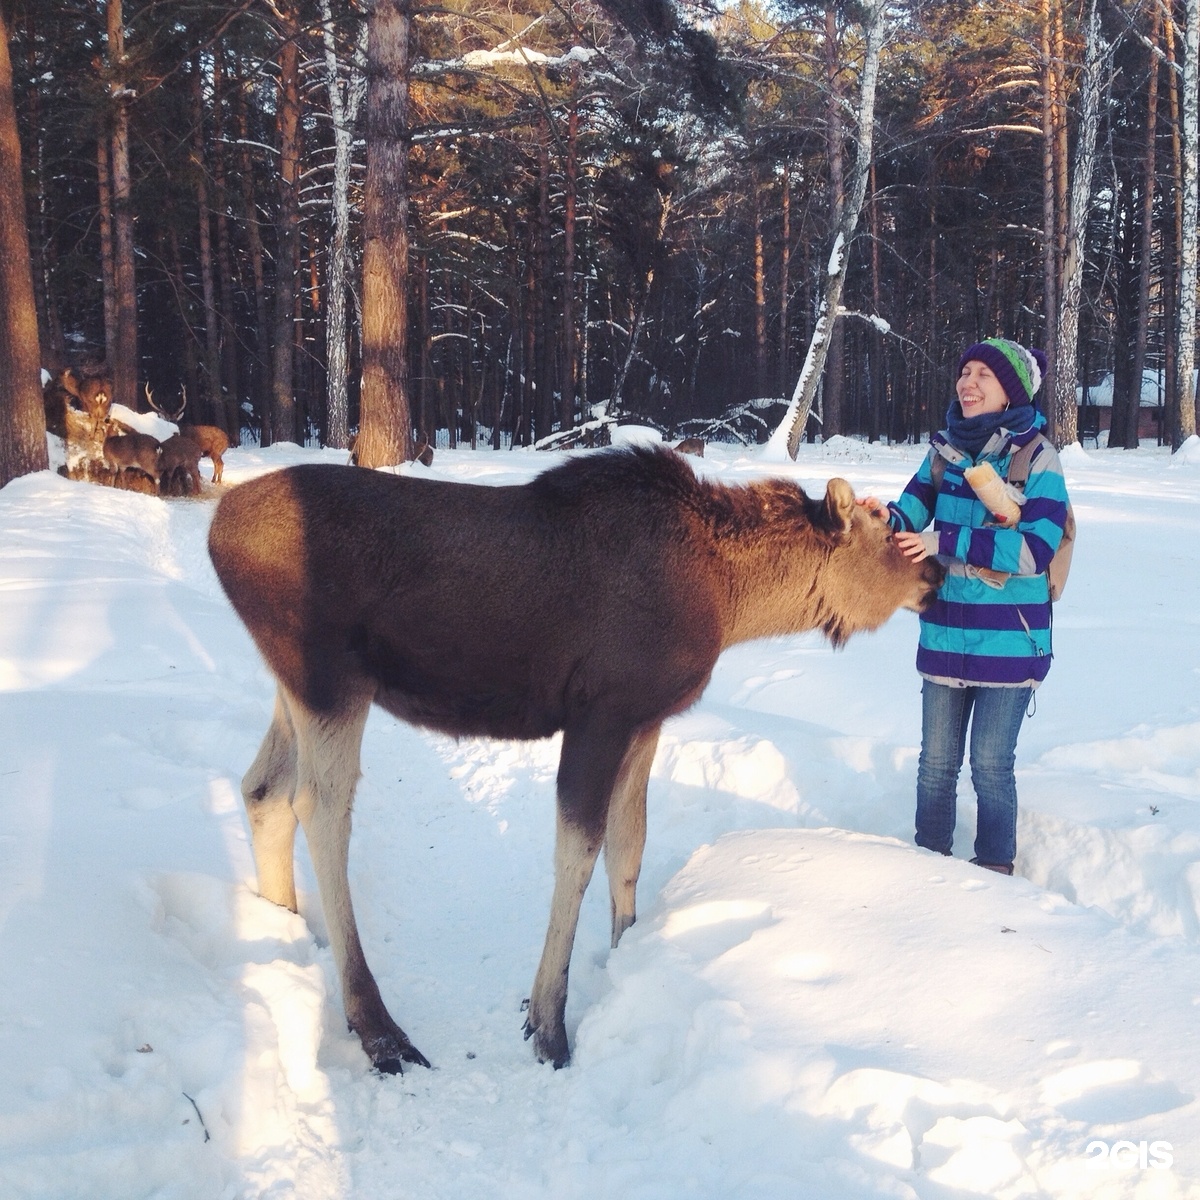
985	644
979	391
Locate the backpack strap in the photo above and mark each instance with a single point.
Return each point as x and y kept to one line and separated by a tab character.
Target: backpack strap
1022	460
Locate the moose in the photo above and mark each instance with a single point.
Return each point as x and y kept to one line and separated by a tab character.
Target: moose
594	600
212	440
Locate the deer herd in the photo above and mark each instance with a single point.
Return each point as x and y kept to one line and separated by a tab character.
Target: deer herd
103	448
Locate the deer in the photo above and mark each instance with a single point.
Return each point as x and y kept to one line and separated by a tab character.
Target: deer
593	600
213	441
92	388
133	451
179	470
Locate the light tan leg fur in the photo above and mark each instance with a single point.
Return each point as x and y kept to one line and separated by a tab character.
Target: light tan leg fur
625	834
267	790
327	769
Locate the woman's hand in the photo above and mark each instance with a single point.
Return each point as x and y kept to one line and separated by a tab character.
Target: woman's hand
912	544
874	506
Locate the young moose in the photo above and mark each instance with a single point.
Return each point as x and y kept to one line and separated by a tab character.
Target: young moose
593	600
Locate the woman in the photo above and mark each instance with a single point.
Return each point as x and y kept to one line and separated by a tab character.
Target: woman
985	643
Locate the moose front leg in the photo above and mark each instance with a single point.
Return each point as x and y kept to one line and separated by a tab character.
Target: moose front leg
327	771
625	835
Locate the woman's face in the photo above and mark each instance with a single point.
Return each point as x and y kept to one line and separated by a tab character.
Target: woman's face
979	391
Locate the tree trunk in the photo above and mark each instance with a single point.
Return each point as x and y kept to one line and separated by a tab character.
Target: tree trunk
385	435
22	419
1049	216
124	366
230	385
570	372
613	408
760	292
287	253
1064	418
834	374
108	267
1184	424
50	331
1129	435
210	408
785	262
1175	228
344	103
877	391
261	391
541	298
791	430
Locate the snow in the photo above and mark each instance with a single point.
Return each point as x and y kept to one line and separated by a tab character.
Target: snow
808	1006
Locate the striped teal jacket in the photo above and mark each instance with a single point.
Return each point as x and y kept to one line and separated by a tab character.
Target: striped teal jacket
977	632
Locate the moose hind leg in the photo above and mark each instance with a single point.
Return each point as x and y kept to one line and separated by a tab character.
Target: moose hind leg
327	772
586	772
267	789
625	834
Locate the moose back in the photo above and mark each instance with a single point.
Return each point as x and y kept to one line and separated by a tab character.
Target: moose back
594	600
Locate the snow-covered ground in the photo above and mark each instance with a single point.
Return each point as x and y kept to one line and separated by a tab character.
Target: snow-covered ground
808	1007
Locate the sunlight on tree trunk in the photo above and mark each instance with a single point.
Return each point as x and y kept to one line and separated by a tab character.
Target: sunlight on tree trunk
22	421
384	435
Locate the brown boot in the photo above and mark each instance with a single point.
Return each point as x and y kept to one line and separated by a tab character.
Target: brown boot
999	868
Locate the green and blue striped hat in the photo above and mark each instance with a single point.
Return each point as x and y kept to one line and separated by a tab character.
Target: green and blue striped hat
1019	370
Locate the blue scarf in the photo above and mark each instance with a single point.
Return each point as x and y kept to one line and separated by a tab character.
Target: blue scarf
971	434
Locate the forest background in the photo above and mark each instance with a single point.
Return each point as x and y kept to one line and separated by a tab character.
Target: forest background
505	221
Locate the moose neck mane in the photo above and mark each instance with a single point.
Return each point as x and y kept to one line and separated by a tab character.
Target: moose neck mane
768	537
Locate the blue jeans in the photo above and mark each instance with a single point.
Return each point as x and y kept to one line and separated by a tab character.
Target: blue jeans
996	721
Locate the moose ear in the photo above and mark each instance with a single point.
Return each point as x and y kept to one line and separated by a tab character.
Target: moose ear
839	506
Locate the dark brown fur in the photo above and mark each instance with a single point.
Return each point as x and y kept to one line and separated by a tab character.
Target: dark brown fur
594	600
179	473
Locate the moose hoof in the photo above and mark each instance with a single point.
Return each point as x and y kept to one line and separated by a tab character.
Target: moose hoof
550	1045
389	1052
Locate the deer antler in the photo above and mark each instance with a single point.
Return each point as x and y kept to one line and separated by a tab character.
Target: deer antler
169	416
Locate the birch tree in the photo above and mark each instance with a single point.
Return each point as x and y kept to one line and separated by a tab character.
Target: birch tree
791	430
345	97
1064	416
1184	425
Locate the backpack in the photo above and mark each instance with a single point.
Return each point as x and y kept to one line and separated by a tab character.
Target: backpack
1018	473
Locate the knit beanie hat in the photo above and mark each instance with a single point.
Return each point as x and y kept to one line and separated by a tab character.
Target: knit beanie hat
1019	370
